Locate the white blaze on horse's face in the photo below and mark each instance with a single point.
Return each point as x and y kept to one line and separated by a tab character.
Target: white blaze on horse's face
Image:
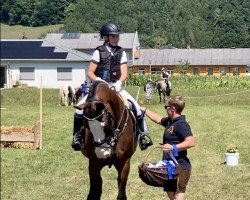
97	129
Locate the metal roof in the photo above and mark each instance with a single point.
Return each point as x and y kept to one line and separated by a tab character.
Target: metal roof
227	56
89	40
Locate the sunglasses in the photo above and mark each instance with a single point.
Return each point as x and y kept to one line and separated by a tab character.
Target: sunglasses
166	107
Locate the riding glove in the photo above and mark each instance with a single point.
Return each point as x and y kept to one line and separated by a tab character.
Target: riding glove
118	86
99	79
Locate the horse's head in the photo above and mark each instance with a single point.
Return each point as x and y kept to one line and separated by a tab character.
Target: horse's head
157	86
98	114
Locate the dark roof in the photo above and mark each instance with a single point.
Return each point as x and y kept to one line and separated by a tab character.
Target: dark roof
24	49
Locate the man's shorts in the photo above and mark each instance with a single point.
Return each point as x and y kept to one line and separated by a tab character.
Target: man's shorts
179	185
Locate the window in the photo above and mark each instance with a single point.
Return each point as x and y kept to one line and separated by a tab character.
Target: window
210	71
223	71
248	69
196	71
142	71
27	73
236	71
156	70
64	73
170	71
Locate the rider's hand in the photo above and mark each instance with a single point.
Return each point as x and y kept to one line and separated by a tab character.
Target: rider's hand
99	79
118	86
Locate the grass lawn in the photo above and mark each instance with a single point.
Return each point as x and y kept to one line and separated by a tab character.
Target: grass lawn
16	32
217	117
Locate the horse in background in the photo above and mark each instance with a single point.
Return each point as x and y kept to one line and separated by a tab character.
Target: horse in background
163	88
67	96
108	128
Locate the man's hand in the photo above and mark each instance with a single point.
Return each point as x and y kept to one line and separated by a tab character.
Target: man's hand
118	86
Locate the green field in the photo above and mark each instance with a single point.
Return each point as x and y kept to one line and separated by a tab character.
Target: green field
218	117
17	31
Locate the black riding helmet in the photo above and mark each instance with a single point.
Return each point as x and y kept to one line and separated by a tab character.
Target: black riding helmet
110	28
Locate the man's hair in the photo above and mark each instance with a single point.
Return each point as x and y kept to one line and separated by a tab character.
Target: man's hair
177	101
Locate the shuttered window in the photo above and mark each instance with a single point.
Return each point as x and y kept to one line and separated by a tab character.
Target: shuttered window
236	71
142	71
223	71
64	73
210	71
196	71
27	73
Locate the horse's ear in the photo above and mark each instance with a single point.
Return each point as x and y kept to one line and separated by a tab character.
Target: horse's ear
80	107
100	106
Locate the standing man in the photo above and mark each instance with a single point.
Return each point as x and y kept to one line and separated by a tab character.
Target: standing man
177	138
109	64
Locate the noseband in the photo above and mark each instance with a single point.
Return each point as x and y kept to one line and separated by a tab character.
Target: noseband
92	119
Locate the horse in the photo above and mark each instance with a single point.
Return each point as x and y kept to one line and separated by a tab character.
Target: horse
109	133
67	96
163	88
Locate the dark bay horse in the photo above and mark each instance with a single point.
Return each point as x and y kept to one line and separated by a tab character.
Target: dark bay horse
109	130
163	89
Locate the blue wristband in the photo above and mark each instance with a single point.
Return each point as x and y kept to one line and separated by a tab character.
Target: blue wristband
175	150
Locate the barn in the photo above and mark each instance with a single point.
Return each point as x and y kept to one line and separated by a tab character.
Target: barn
215	62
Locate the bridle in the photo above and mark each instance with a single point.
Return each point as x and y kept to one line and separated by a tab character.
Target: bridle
113	138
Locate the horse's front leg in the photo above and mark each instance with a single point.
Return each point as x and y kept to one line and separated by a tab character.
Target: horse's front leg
123	172
95	178
160	96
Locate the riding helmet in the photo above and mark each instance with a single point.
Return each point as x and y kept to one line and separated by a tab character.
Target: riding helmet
110	28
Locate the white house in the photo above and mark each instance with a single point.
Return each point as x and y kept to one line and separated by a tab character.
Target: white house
60	59
30	61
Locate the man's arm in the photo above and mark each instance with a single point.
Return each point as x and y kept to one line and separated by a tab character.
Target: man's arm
152	115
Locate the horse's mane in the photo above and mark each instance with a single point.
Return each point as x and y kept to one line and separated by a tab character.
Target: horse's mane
107	96
92	90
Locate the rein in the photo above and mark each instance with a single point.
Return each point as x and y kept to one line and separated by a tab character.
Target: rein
117	131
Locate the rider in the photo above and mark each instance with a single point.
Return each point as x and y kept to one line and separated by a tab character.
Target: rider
109	64
164	75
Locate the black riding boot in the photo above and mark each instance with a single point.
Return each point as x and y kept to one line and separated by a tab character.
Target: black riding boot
144	139
78	138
